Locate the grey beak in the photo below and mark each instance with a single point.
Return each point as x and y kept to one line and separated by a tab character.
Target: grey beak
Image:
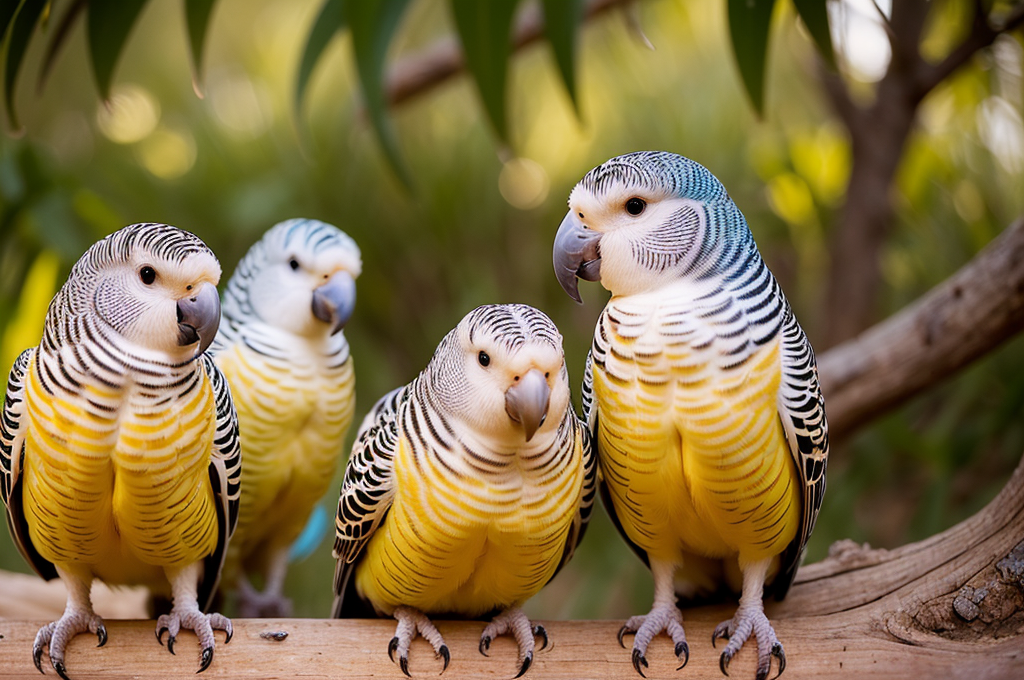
526	402
199	317
334	301
577	253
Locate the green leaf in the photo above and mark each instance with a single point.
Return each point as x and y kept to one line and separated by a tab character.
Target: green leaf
23	27
108	24
7	11
58	38
562	19
197	17
814	14
484	29
330	21
373	23
749	22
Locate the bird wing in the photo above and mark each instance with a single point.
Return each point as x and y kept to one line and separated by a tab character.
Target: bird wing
366	494
12	452
225	478
802	412
581	437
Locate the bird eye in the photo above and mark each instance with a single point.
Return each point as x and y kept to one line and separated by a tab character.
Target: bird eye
484	359
294	264
148	275
635	206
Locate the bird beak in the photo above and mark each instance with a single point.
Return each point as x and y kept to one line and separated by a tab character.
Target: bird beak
199	317
526	402
334	301
577	253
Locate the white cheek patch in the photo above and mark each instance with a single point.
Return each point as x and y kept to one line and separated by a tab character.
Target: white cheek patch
675	238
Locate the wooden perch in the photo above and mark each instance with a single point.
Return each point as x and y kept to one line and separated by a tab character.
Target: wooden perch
947	607
968	315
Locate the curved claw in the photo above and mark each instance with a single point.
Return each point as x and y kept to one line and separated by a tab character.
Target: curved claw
446	655
160	635
392	646
403	663
622	633
683	651
101	633
527	661
37	658
723	663
721	631
206	660
639	660
229	633
170	644
485	644
539	631
779	653
61	671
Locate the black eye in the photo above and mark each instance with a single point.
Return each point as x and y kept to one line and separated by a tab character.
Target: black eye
148	275
294	264
635	206
484	359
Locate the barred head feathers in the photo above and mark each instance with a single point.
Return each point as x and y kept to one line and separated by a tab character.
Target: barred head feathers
153	285
647	218
496	357
278	280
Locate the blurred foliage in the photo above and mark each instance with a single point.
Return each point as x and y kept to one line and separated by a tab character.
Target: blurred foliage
478	227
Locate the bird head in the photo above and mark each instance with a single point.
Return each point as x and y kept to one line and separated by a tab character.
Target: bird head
638	221
300	278
502	372
153	284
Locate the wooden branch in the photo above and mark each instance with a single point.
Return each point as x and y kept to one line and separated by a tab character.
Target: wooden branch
26	596
948	607
422	71
961	319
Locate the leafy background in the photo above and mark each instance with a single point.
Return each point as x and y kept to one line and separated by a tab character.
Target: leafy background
477	223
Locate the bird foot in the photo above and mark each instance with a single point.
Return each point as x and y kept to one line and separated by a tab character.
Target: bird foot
662	617
738	630
201	624
410	622
57	634
514	620
253	604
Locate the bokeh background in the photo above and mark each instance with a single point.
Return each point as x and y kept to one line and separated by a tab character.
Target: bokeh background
478	225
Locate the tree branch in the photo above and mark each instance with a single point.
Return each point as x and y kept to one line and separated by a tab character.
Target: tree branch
417	73
961	319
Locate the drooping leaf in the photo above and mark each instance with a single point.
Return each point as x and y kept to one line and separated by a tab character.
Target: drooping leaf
484	29
749	23
59	38
197	17
562	19
22	28
7	11
329	22
108	24
372	24
814	14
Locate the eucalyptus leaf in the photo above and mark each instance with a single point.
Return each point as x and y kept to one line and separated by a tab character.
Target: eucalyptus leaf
107	25
197	18
329	22
562	20
814	14
749	23
373	23
22	28
484	29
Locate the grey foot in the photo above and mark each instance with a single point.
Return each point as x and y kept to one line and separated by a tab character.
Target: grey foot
58	634
662	617
410	622
201	624
514	620
253	604
738	630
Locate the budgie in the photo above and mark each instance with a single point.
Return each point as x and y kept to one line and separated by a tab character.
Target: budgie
119	456
701	392
282	350
467	489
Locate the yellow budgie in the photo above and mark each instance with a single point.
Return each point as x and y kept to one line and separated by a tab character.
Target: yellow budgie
119	455
469	488
701	391
282	350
